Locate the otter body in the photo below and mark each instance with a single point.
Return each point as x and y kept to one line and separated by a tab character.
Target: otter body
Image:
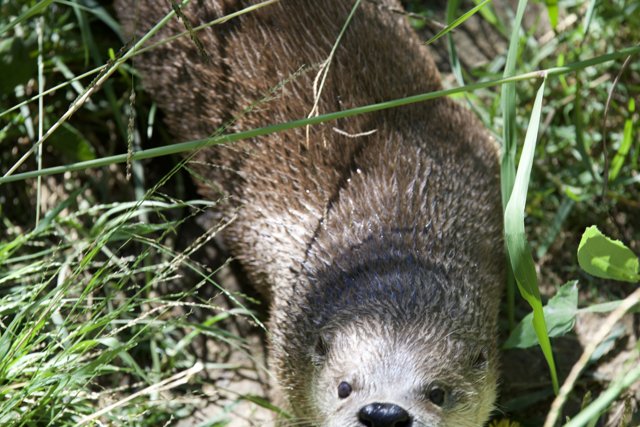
376	237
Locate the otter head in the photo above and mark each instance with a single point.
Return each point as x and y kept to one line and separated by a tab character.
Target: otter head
399	350
375	375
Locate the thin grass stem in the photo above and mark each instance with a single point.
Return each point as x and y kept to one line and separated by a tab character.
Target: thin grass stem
223	139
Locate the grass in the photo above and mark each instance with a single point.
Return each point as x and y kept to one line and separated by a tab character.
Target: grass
94	311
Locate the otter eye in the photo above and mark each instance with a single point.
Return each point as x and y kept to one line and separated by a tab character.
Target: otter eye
344	389
437	396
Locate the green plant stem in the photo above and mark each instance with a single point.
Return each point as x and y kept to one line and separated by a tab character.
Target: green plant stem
222	139
40	32
606	328
604	400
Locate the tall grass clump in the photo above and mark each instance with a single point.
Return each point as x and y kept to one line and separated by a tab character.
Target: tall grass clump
105	308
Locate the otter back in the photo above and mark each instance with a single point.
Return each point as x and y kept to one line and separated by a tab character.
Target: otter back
376	237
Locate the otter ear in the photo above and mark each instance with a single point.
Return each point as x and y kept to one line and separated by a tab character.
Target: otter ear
320	348
480	360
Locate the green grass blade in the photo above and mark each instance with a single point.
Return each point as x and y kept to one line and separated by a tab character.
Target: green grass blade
552	11
228	138
556	226
625	146
454	59
100	12
508	160
508	169
581	143
491	17
457	21
268	405
588	17
456	68
517	244
92	51
32	11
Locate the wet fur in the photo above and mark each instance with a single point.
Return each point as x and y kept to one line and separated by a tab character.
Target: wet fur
401	227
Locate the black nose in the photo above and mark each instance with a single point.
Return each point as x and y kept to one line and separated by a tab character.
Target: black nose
384	415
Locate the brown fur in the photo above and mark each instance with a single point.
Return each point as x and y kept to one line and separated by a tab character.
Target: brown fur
376	249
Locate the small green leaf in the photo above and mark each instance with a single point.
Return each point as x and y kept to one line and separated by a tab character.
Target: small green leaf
559	313
606	258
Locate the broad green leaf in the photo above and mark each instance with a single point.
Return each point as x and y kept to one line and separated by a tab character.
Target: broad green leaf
517	245
606	258
559	313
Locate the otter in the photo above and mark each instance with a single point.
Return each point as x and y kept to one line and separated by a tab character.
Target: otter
376	238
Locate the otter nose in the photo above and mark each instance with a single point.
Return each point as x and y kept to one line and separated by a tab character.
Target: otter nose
384	415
